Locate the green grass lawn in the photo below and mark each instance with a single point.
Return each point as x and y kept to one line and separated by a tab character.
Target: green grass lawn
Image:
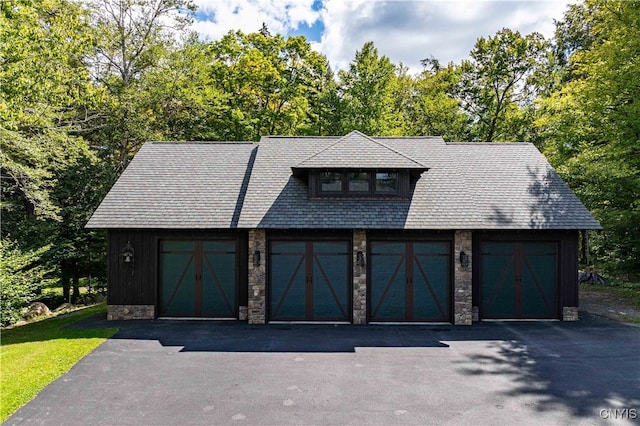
34	355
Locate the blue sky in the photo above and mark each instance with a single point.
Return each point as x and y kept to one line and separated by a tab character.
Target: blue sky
404	30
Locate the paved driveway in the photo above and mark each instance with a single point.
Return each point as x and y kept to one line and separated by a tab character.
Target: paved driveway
173	372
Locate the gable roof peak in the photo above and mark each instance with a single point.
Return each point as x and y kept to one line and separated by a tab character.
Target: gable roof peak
357	150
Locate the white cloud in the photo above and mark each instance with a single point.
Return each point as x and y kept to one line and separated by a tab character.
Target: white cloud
404	30
408	31
280	16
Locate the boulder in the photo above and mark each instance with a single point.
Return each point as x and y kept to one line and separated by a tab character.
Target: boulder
36	309
64	307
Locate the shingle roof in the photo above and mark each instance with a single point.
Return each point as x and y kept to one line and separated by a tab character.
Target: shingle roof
467	186
228	185
179	185
357	150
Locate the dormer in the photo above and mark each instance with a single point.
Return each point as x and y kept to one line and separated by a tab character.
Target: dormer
357	166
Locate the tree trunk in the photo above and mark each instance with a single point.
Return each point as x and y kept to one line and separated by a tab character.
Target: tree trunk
584	248
76	286
65	287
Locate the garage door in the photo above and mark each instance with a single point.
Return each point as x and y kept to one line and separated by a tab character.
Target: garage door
309	281
410	281
198	279
519	280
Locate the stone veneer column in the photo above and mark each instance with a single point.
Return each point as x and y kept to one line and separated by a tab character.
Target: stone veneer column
359	278
257	278
463	311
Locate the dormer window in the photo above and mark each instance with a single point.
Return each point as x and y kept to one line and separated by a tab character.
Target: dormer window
359	167
359	184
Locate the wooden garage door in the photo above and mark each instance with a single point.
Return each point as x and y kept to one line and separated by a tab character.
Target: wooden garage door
198	279
519	280
410	281
309	281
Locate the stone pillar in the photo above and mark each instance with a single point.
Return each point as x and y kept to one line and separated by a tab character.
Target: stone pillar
463	311
359	277
257	277
570	313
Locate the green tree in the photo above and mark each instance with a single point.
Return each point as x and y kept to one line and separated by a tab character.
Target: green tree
592	127
367	93
133	37
181	98
21	279
271	84
498	79
45	98
435	110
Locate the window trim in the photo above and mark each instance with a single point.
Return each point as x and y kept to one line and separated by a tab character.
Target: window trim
401	192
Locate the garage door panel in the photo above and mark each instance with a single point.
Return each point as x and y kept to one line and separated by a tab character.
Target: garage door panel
310	280
288	281
177	284
198	278
387	282
499	293
538	284
219	282
430	286
519	279
410	281
330	281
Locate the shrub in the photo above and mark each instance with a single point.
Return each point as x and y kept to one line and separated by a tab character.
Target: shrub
21	279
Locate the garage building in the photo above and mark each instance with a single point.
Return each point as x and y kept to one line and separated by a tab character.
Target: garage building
351	229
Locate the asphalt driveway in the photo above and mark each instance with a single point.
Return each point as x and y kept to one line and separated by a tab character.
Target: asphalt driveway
493	373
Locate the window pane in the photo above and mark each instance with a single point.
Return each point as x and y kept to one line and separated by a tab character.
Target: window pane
387	183
330	182
358	182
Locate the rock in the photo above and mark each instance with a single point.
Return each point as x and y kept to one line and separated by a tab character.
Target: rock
592	278
36	309
63	307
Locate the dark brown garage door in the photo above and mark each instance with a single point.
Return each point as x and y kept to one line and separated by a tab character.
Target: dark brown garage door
410	281
309	281
519	280
198	279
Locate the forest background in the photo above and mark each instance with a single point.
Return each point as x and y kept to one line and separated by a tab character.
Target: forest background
84	84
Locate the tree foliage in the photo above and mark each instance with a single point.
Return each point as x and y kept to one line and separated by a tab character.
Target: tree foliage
21	278
270	84
133	38
45	98
366	90
591	124
497	81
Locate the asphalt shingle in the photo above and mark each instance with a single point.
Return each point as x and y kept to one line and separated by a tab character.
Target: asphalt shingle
357	150
179	185
244	185
467	186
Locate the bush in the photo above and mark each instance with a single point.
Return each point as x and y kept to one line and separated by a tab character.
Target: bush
21	279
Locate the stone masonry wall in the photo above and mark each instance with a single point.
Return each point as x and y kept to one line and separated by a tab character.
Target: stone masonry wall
463	311
570	313
130	312
359	278
257	277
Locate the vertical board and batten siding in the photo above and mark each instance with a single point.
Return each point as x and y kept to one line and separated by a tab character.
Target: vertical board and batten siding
567	273
141	287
